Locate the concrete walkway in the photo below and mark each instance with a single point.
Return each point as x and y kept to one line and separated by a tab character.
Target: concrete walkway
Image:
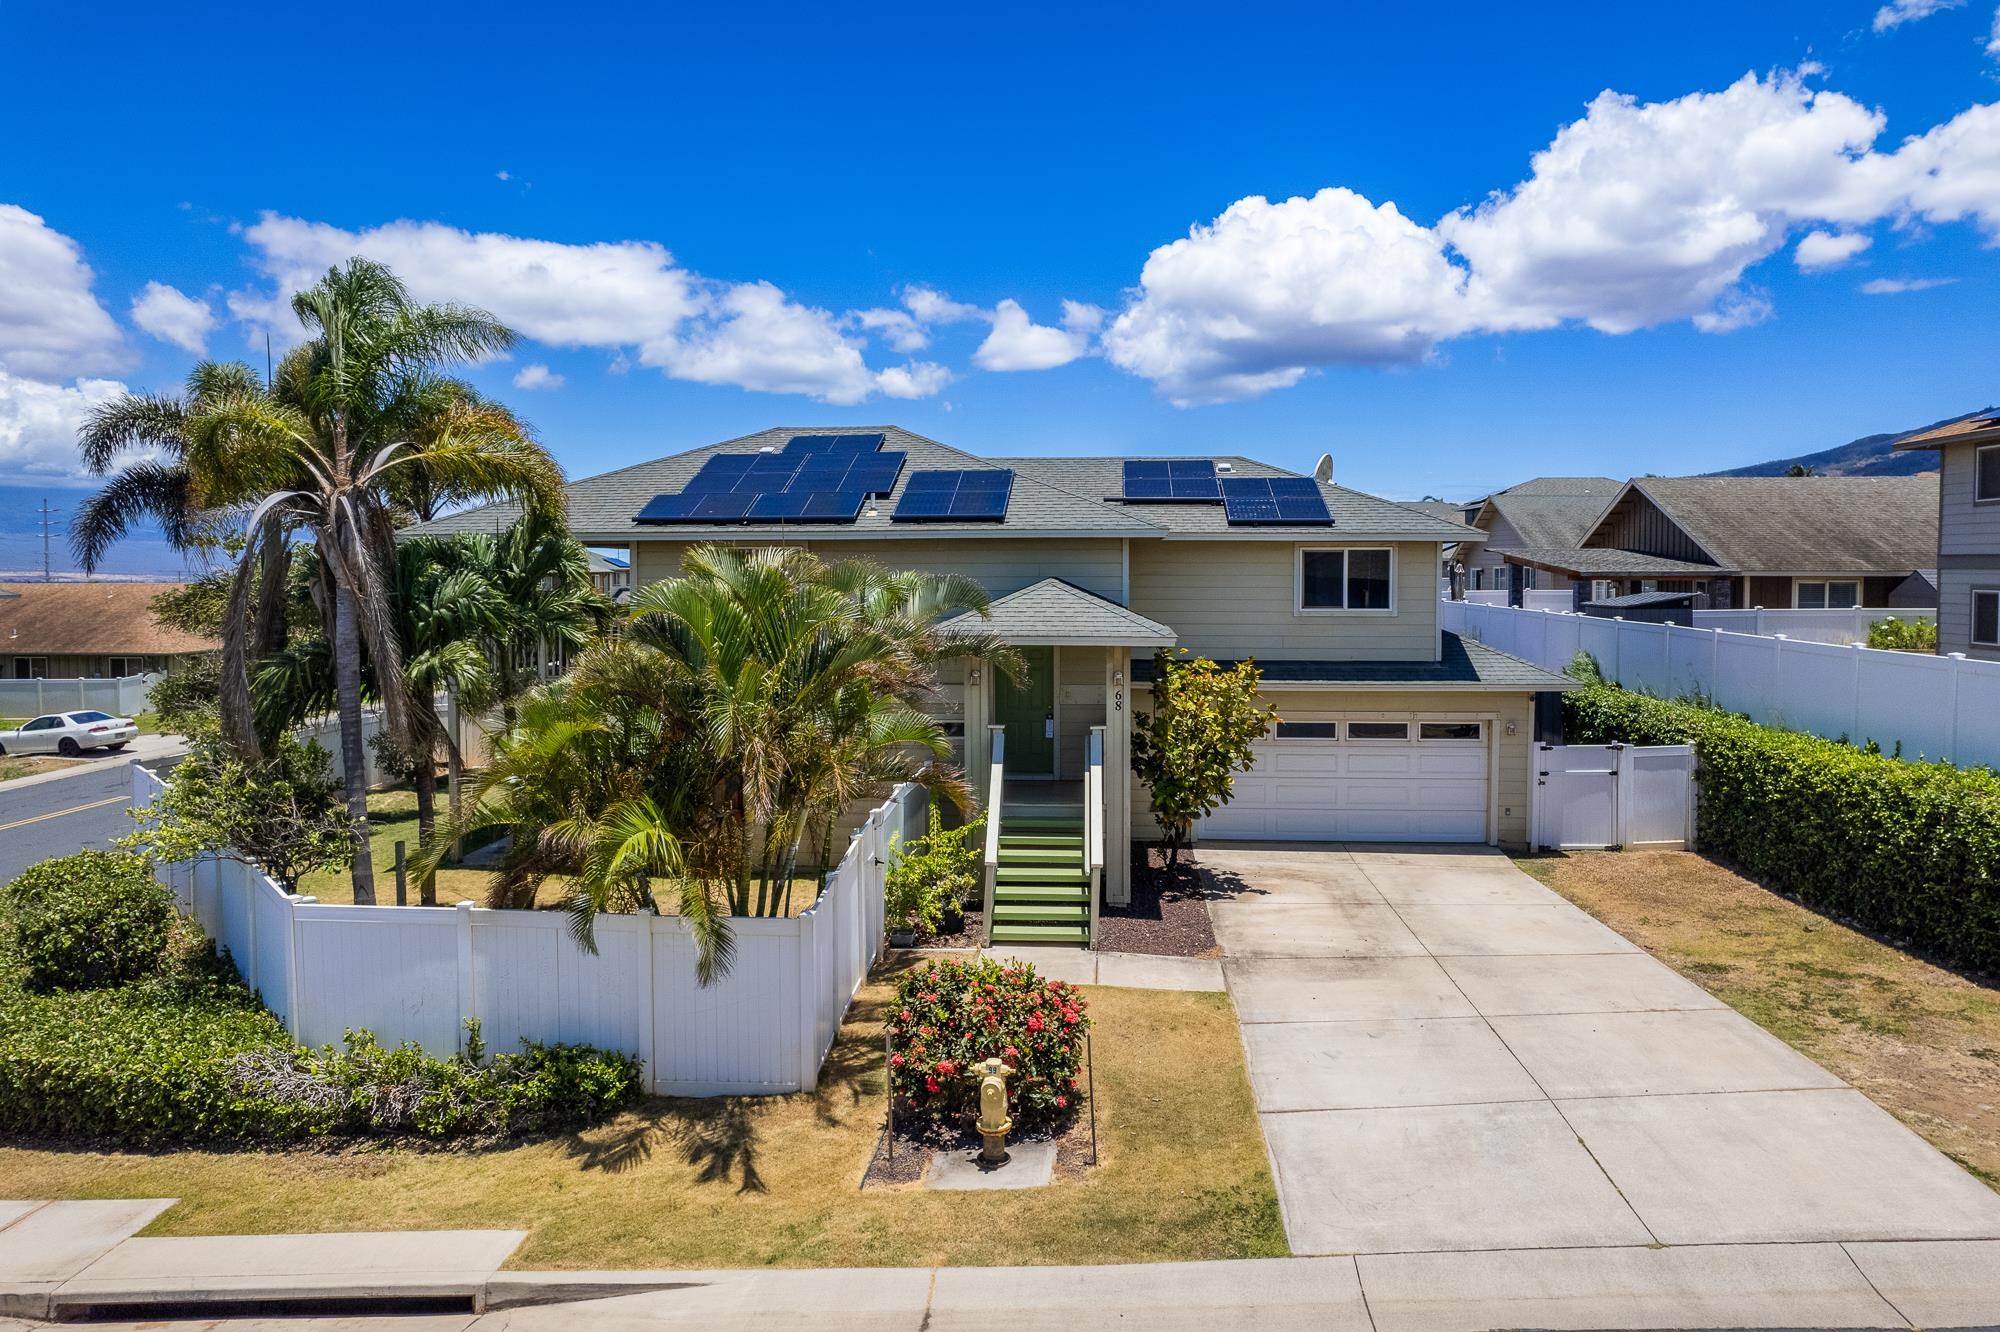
1137	971
1449	1058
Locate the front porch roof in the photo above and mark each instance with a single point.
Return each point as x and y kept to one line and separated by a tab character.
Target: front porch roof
1606	562
1467	663
1053	613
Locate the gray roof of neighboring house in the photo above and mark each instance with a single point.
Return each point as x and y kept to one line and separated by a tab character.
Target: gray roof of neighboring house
1550	520
1466	663
1610	562
1808	524
1634	599
1607	486
1057	612
1050	497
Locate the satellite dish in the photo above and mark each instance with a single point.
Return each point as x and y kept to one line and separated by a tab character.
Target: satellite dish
1323	469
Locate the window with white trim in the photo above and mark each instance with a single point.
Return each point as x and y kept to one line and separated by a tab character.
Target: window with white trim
1986	473
1358	579
120	667
1986	616
1826	594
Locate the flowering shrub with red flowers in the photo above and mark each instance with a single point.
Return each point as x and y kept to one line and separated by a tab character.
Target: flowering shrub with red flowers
950	1016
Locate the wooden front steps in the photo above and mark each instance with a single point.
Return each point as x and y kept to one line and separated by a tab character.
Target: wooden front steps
1041	889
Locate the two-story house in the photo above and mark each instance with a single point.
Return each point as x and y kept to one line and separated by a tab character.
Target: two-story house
1968	532
1393	730
1546	513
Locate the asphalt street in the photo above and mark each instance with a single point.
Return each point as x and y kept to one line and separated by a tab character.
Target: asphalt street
54	818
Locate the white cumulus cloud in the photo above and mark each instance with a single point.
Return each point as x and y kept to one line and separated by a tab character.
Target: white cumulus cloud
51	324
1898	12
39	421
171	315
1819	250
537	376
899	328
1897	286
1019	343
627	297
1253	300
914	379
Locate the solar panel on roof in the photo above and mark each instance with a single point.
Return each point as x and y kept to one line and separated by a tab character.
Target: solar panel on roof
970	495
666	508
1267	500
1170	481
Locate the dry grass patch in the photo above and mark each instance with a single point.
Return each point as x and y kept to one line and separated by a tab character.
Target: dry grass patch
1921	1041
752	1182
12	767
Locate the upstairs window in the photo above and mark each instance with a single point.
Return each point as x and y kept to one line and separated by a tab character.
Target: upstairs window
1346	580
1986	616
1986	473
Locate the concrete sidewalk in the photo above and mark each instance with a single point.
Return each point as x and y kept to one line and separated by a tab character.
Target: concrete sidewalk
1137	971
1448	1057
1729	1286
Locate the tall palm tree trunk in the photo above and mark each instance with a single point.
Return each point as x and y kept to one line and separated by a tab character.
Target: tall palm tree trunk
353	752
425	781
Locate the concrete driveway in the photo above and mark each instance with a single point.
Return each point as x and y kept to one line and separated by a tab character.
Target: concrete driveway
1447	1056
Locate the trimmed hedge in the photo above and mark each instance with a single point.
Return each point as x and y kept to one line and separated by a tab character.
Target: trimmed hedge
91	919
1909	849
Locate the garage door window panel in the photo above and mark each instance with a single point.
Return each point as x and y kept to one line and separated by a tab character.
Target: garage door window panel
1378	731
1308	730
1450	731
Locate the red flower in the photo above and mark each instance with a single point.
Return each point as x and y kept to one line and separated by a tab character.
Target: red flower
1072	1084
895	1061
1010	1053
931	1086
904	1015
1062	1102
1035	1022
946	1068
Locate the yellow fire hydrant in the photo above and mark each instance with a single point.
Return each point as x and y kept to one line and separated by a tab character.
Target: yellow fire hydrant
994	1122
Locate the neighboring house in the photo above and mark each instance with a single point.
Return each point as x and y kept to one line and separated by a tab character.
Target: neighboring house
61	631
1547	512
1393	730
610	575
1817	543
1968	533
1448	566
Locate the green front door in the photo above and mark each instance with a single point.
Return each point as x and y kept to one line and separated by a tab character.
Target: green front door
1025	709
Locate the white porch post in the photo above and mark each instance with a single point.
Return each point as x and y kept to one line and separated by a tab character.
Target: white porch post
1117	776
978	693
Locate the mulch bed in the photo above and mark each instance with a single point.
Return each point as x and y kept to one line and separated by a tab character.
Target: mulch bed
914	1147
1168	913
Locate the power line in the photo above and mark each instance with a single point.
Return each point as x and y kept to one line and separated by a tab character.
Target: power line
48	518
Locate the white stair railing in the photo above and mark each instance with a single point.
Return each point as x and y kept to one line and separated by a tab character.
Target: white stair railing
1093	827
996	778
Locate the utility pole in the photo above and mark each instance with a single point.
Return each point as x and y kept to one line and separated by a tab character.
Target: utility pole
48	518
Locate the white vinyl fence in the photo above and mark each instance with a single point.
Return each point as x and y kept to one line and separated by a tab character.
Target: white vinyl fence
1927	707
326	730
1812	626
125	696
1637	798
417	973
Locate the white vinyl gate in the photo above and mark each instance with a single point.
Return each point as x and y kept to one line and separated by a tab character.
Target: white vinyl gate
1639	799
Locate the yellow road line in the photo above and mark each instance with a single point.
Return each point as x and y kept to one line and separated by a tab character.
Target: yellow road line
74	809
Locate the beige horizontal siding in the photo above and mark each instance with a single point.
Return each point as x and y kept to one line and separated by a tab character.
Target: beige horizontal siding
999	566
1237	599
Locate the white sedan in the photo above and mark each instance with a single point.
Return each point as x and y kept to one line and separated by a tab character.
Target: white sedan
69	734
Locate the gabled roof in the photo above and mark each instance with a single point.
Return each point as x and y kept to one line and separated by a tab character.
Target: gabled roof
1806	524
1980	427
1550	520
1608	562
1603	486
1467	663
1057	612
90	619
601	507
1051	497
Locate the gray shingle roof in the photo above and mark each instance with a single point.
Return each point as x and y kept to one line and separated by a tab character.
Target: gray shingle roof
1051	496
1467	663
1055	611
1353	511
1634	599
601	507
1605	486
1609	562
1551	520
1805	524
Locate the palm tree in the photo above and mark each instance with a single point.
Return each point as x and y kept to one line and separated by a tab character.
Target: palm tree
749	701
326	449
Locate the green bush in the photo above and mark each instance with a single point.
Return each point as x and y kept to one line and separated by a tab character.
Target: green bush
1910	849
930	875
89	920
1903	635
950	1016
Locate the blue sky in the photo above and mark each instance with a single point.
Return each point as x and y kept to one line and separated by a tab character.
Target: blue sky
709	223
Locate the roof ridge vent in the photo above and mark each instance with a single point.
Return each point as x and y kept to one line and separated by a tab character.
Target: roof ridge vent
1225	467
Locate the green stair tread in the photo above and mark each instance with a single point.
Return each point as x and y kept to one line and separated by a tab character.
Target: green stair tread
1040	874
1041	855
1049	911
1026	841
1041	892
1058	934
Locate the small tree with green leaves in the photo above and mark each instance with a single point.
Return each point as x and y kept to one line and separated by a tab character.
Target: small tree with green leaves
927	875
1198	736
281	814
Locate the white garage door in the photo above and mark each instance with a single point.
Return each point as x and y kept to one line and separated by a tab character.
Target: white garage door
1362	781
